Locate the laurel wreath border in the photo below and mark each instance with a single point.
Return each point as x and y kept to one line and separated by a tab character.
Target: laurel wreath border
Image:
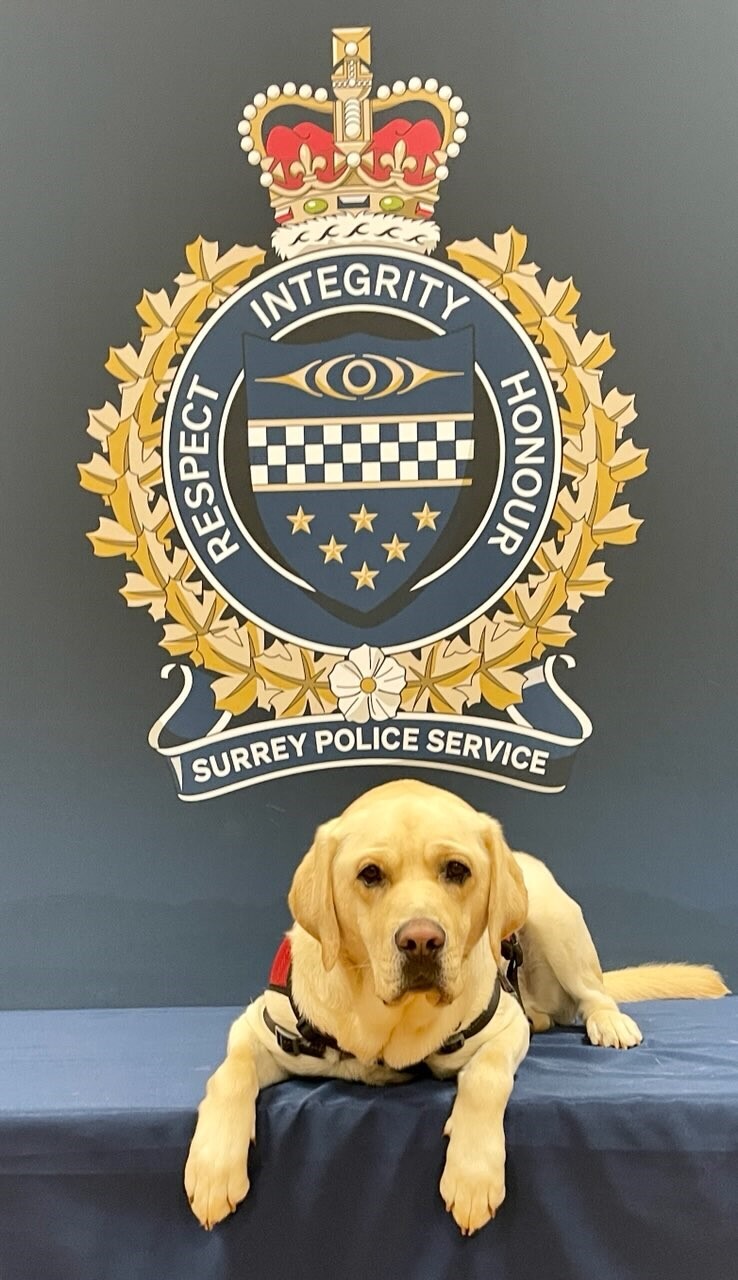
481	664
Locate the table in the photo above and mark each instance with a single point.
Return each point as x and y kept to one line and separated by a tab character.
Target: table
621	1166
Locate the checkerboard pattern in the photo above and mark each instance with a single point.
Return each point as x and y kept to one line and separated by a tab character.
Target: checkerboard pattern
355	453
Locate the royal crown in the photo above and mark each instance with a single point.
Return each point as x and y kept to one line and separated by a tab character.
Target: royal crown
374	177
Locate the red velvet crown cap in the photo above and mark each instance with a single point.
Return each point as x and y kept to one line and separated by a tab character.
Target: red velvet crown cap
422	139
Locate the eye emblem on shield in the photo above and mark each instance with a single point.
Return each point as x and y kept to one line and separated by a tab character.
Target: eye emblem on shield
354	377
360	454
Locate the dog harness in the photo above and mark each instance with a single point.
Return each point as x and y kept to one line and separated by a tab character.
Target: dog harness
297	1036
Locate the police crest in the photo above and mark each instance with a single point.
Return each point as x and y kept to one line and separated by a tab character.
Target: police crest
366	487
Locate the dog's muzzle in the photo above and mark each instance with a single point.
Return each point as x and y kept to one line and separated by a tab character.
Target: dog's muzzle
421	943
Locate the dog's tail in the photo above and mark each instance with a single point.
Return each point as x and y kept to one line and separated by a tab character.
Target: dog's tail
665	982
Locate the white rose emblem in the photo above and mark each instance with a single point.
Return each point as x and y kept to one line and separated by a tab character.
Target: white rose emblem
368	685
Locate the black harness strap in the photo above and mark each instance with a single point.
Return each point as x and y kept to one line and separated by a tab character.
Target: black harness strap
459	1038
512	952
307	1039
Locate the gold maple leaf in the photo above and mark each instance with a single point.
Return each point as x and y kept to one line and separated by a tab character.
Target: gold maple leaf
159	312
111	539
617	526
103	422
535	606
627	462
236	654
440	677
97	475
620	408
150	590
296	680
130	366
501	649
223	272
199	622
573	557
530	604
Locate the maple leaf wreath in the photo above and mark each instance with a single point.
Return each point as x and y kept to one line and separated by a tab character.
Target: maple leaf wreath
480	664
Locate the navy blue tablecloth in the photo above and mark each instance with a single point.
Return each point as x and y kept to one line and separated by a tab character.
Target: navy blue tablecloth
621	1166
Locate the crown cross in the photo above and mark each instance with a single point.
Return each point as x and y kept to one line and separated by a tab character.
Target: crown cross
373	167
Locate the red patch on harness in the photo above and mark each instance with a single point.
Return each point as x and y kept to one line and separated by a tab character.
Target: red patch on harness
280	969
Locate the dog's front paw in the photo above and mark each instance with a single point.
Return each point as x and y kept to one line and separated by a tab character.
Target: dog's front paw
472	1187
539	1022
216	1176
613	1029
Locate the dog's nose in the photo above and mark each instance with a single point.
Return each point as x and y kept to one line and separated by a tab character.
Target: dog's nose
420	938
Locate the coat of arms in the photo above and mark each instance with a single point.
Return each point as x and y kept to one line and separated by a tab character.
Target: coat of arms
366	486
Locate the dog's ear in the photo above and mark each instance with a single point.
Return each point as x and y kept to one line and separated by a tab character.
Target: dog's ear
508	898
311	895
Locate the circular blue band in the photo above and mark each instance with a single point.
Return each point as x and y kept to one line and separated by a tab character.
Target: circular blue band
435	296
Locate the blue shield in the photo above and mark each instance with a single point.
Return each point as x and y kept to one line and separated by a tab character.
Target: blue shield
360	451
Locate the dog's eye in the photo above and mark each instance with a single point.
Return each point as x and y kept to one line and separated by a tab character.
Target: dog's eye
371	875
456	872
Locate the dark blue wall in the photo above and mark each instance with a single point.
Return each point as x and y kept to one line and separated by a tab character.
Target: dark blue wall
604	130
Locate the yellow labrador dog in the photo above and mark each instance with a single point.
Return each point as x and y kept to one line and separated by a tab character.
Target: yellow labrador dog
401	907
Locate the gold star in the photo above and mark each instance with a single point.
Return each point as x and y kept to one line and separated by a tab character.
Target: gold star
364	576
426	518
333	550
395	549
363	519
300	521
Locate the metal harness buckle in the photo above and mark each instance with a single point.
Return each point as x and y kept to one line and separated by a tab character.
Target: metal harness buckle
287	1042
